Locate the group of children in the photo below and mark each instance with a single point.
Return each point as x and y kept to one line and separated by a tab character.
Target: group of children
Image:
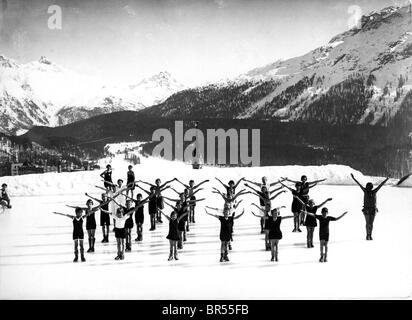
116	204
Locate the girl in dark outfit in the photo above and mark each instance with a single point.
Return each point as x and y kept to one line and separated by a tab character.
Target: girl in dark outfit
225	231
324	220
91	221
104	216
159	199
139	218
153	205
192	190
369	204
107	177
275	234
130	181
173	234
310	221
78	234
4	197
297	205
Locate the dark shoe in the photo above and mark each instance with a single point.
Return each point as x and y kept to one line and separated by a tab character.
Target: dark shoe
262	231
294	230
137	239
122	256
76	258
230	246
160	221
321	258
187	227
221	258
273	258
140	237
104	240
89	250
176	258
83	258
117	258
184	237
170	257
226	257
299	230
276	258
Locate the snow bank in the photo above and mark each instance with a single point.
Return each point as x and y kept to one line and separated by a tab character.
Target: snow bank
152	168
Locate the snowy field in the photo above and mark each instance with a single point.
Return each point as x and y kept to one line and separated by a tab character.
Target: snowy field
36	247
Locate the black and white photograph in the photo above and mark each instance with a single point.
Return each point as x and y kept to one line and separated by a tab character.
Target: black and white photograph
205	150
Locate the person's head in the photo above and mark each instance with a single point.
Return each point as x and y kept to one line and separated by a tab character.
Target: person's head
89	203
120	182
139	197
325	212
4	186
157	182
369	186
191	183
130	168
226	211
79	212
275	213
311	203
152	189
109	167
173	215
303	178
264	189
119	212
182	196
179	204
104	197
186	192
297	186
231	183
268	206
264	180
128	203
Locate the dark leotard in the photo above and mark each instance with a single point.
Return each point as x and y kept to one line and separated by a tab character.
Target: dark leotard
324	226
310	221
274	228
225	228
173	230
78	229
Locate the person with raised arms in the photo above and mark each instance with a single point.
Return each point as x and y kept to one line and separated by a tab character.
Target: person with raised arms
173	234
226	224
369	204
273	221
324	220
192	191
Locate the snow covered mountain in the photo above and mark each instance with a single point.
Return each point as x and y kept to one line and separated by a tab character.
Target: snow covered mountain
362	76
44	93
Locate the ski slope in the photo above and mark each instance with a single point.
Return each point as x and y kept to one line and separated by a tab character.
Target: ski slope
36	247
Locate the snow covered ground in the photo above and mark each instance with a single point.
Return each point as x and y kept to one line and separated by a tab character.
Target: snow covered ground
36	249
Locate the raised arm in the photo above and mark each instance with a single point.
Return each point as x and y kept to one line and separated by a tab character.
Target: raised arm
108	182
211	208
290	189
222	183
313	185
275	183
142	189
148	183
253	204
277	189
251	188
324	202
277	194
167	182
237	217
287	179
65	215
237	183
173	207
213	215
300	200
381	185
256	215
357	182
184	185
93	198
182	216
316	181
168	218
199	184
174	191
101	188
237	204
341	215
257	184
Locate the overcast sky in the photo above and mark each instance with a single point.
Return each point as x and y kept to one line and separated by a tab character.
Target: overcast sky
196	41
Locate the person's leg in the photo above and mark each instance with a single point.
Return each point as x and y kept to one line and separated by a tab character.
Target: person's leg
104	233
89	236
118	248
180	241
366	225
276	249
371	220
308	236
321	250
311	231
92	233
82	250
107	233
175	249
122	249
76	251
267	244
272	249
171	250
222	251
153	221
226	257
262	223
184	231
295	221
326	252
193	214
126	231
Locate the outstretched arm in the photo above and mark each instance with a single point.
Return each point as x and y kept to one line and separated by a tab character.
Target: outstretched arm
173	207
237	204
197	191
324	202
287	179
101	188
198	185
65	215
213	215
381	185
300	200
316	181
256	215
250	187
168	218
74	207
277	194
290	189
257	207
237	183
341	215
143	189
277	189
148	183
313	185
108	182
287	217
174	190
257	184
237	217
167	182
222	183
182	216
93	198
357	182
184	185
275	183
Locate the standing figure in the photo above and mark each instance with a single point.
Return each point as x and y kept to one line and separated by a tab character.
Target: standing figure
130	181
369	204
107	177
226	223
78	234
192	191
104	216
324	220
173	234
4	197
